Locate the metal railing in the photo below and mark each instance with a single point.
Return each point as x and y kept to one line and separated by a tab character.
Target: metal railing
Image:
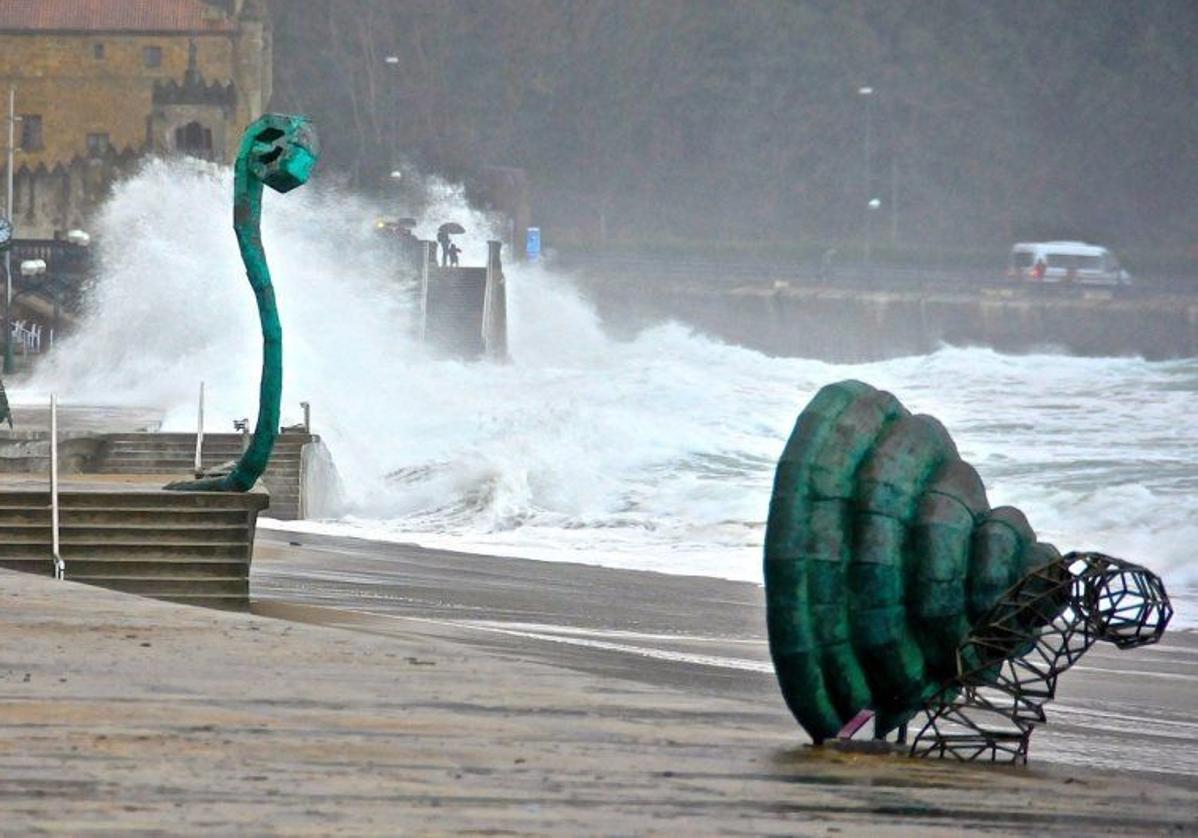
28	338
60	257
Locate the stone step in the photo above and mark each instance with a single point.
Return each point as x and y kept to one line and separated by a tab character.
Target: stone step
42	565
183	518
159	467
161	551
25	499
79	569
189	453
25	514
226	501
132	464
185	457
190	439
157	586
165	551
209	436
180	502
285	471
180	518
72	533
209	454
179	470
189	447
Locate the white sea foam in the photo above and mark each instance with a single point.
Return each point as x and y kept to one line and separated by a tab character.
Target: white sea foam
654	453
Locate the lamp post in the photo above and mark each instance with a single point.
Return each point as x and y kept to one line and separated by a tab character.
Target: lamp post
868	93
392	61
8	208
5	244
80	240
30	269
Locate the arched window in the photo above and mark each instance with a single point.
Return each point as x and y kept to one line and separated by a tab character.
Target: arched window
194	139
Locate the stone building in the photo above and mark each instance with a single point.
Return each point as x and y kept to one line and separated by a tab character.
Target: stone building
101	83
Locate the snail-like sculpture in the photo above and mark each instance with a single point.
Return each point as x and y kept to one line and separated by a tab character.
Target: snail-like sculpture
892	586
278	151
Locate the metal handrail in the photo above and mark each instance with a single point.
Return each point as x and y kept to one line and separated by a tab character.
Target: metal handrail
199	461
60	568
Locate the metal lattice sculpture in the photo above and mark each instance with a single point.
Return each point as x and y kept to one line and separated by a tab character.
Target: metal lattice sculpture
278	151
883	559
991	708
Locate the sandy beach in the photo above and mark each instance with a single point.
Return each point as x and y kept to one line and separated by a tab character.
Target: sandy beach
384	688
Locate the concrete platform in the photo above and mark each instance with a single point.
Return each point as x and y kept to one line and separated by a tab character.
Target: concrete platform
122	714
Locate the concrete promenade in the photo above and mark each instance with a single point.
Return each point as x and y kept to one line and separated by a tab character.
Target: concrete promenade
122	714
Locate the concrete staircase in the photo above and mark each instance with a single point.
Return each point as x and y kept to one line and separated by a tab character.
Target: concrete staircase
173	455
454	311
192	547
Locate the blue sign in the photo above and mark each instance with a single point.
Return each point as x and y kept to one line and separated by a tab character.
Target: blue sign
532	244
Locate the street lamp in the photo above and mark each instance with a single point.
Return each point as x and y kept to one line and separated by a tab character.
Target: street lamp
29	268
393	62
8	208
868	93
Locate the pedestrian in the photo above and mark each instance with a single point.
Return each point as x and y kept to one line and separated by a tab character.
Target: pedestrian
5	410
454	250
443	240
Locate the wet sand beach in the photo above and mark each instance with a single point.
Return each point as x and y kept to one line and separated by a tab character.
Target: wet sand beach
384	688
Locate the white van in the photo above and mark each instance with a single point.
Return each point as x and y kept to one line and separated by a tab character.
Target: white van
1066	262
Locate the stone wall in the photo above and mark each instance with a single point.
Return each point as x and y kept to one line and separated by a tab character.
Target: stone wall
854	324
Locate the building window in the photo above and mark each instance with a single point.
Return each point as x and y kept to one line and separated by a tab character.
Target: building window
151	56
98	51
97	144
31	132
194	139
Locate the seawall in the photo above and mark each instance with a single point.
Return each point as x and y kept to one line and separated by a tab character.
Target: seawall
853	323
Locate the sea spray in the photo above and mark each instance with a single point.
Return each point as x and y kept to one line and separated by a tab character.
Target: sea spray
655	452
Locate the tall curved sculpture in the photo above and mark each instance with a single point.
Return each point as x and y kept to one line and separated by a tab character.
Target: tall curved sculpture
885	566
278	151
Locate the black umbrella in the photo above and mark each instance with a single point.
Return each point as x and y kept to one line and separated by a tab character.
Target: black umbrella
451	227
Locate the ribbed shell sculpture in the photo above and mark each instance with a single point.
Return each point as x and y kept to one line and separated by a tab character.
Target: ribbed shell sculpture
881	554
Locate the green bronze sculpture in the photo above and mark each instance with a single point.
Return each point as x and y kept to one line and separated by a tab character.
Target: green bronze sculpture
280	152
892	586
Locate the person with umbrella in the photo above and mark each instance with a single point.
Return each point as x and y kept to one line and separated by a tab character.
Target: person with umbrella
443	233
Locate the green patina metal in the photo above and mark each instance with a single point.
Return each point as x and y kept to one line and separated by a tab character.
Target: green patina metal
881	554
278	151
